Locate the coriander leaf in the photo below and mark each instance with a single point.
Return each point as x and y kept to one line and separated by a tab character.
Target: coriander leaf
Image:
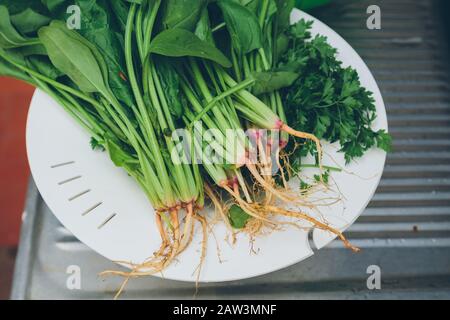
327	99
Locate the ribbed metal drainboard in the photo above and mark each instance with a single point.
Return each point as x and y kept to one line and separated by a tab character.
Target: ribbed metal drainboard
405	230
409	59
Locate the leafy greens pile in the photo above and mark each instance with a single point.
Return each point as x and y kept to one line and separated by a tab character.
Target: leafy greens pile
327	99
138	70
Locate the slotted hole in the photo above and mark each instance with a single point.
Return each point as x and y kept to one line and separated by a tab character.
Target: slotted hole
69	180
92	208
106	221
62	164
79	195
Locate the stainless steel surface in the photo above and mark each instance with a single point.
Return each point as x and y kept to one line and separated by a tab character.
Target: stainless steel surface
405	231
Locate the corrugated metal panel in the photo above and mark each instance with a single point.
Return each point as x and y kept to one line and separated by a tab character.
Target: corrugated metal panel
405	230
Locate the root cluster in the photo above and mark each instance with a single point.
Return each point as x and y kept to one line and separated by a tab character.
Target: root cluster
265	203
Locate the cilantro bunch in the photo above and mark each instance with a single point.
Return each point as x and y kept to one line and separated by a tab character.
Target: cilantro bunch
327	99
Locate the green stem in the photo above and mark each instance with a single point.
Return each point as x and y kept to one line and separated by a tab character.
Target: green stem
222	122
149	23
236	66
182	181
158	159
218	27
262	17
243	85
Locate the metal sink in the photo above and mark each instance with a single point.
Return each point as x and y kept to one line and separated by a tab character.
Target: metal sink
405	231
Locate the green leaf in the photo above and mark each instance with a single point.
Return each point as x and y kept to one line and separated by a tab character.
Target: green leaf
272	80
118	156
384	140
304	185
238	217
183	14
203	28
9	37
322	125
73	57
120	9
97	54
43	65
9	70
97	145
53	5
327	100
29	21
37	49
170	82
182	43
284	9
301	29
17	6
242	25
100	29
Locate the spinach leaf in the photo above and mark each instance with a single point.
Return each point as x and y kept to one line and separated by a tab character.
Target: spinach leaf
97	54
17	6
9	37
74	58
270	81
44	66
203	28
238	217
170	82
37	49
53	5
284	9
9	70
183	14
98	28
102	22
37	62
120	157
29	21
182	43
242	25
120	9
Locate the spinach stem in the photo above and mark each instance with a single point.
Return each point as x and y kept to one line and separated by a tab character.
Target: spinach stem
159	161
243	85
218	27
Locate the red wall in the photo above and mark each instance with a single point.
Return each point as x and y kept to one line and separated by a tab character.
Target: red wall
14	171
